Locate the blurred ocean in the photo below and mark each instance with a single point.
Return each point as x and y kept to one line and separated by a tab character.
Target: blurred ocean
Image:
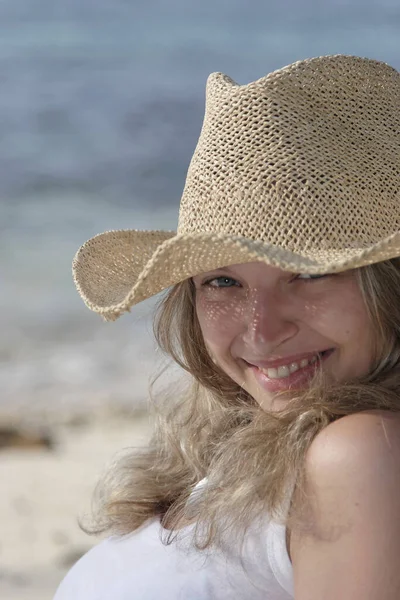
101	103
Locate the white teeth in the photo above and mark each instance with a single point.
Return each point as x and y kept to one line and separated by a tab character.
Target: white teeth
283	371
272	373
286	370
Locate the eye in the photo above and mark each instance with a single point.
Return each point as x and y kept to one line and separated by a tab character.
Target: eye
221	282
308	277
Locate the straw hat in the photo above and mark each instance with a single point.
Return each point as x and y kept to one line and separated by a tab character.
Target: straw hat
300	170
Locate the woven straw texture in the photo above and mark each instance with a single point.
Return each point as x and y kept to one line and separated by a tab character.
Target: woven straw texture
300	169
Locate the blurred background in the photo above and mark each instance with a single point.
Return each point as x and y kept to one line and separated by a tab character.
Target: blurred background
101	103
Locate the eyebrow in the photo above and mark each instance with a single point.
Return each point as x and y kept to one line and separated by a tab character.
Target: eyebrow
219	269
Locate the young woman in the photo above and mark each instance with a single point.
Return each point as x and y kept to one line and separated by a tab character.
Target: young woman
277	474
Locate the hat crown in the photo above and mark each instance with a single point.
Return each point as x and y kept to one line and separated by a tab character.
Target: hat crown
306	158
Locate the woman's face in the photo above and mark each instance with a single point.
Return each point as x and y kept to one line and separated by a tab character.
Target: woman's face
269	330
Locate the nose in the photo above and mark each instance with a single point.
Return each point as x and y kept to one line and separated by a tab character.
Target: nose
268	321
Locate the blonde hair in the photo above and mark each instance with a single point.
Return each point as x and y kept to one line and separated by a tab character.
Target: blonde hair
251	458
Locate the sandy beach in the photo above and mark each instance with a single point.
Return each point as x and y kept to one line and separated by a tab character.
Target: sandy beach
45	488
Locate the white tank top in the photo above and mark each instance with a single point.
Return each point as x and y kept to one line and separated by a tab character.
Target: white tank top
139	566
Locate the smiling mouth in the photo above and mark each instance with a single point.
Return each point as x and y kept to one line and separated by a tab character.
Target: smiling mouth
285	371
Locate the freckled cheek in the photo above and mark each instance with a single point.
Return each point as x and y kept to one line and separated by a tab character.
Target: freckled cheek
356	334
220	323
343	322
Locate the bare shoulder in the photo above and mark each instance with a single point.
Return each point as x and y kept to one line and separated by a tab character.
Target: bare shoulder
354	438
352	526
352	442
354	461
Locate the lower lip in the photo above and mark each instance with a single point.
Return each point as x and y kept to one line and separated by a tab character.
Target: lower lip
295	380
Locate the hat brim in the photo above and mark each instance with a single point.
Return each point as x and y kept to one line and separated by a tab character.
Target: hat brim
117	269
